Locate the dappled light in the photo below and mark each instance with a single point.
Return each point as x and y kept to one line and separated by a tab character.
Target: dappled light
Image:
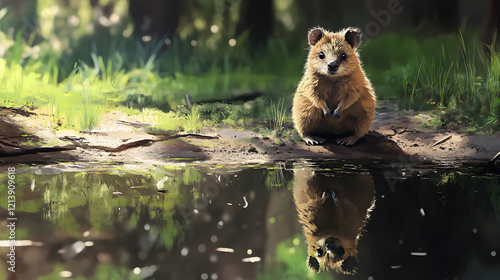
249	139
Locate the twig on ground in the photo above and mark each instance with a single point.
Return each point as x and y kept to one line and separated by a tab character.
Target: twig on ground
497	156
441	141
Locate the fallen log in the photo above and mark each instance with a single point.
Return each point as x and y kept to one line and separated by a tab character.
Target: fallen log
20	152
249	96
19	111
142	142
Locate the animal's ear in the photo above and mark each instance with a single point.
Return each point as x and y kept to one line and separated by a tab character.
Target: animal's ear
353	37
350	265
315	35
313	263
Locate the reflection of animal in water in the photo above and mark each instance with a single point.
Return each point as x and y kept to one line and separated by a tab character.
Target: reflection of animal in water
333	210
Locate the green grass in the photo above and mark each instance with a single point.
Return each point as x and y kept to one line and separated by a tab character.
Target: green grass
278	115
90	115
79	73
192	121
77	77
78	100
449	73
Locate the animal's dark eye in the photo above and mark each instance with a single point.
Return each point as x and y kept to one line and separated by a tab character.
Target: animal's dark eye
321	55
344	56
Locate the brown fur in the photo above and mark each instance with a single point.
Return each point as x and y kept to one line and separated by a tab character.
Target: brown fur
347	90
341	218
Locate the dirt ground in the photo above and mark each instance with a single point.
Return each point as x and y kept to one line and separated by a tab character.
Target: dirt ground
393	135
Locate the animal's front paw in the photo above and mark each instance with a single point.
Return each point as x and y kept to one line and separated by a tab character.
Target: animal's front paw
313	140
347	141
328	113
337	113
329	193
326	193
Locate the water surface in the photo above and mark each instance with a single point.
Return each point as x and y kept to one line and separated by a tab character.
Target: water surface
200	222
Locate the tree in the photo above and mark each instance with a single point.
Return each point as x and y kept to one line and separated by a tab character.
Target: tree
321	13
155	17
256	18
492	23
22	15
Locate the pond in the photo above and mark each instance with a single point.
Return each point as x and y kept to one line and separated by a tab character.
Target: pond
364	220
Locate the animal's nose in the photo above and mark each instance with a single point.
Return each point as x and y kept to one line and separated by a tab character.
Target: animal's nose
333	66
333	245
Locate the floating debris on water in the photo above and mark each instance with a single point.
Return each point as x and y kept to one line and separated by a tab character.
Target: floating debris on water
220	224
184	251
251	259
65	274
225	250
396	266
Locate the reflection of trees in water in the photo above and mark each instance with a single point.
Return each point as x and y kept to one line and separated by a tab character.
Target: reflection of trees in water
131	223
123	215
240	210
278	177
101	200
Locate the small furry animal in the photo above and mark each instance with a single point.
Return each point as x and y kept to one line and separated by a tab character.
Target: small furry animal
333	78
333	211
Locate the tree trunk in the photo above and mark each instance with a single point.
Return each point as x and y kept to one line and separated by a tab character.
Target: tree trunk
256	17
323	13
155	17
22	15
447	14
492	23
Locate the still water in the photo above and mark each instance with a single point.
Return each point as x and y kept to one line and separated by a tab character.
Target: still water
359	221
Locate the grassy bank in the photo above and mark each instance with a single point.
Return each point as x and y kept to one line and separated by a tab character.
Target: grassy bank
450	74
